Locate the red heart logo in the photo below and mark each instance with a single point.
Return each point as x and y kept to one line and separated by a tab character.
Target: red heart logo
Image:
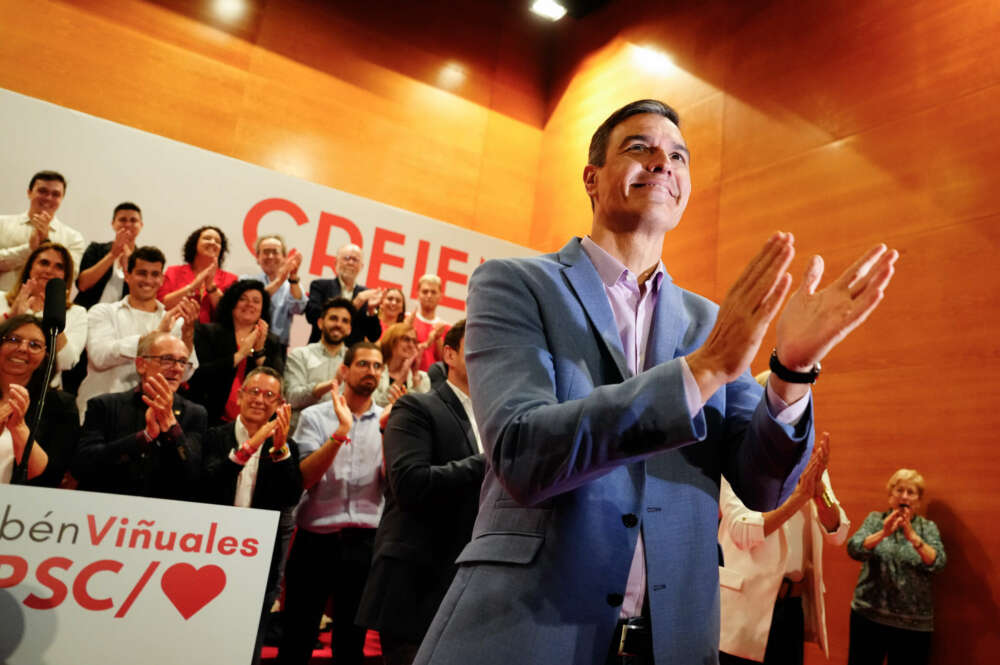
190	588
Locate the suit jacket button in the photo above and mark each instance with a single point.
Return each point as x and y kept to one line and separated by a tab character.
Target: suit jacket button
615	599
629	520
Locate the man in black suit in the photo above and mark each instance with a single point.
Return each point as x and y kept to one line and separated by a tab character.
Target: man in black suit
146	441
364	325
252	463
435	467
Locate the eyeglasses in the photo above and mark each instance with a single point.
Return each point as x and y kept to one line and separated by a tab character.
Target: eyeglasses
34	346
170	361
365	364
266	395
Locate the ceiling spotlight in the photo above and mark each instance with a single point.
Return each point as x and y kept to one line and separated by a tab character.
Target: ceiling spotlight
229	10
652	60
451	76
550	9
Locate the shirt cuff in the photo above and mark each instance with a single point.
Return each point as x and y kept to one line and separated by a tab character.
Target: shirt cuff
786	414
234	459
692	393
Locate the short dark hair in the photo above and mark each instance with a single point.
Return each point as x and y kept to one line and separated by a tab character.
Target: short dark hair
453	338
599	141
227	303
269	371
126	205
146	253
354	348
338	303
47	175
191	244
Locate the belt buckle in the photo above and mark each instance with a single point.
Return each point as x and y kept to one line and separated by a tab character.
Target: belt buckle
621	643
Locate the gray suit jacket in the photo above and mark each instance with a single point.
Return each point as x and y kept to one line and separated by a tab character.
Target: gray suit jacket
582	455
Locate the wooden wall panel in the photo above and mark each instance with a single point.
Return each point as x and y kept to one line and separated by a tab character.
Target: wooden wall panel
342	94
848	124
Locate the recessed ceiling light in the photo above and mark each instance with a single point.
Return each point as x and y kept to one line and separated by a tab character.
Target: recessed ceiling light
652	59
550	9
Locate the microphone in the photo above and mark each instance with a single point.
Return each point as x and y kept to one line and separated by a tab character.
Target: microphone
54	315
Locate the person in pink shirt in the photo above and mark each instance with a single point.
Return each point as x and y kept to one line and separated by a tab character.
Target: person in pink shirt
429	327
201	275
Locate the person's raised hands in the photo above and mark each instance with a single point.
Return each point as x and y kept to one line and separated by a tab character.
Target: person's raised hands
813	322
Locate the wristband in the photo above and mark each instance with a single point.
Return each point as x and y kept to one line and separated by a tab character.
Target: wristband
791	376
293	281
212	290
339	439
277	453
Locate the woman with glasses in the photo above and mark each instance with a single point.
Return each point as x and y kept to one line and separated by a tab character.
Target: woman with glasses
892	613
201	275
237	342
400	354
22	357
49	261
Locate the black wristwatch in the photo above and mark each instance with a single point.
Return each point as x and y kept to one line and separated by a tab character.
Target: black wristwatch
788	375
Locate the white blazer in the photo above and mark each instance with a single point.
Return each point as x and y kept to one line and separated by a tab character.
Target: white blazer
751	578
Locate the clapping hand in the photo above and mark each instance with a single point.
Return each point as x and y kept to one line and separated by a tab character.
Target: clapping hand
814	321
159	399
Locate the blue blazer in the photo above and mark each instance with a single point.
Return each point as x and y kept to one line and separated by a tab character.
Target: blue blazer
581	456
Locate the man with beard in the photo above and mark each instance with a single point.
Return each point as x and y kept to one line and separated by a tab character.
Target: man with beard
365	324
145	441
341	448
310	369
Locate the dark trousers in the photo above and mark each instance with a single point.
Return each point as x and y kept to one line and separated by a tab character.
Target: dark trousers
872	642
321	565
784	639
398	650
286	525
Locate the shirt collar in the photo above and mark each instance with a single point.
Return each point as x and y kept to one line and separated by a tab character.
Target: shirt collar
611	270
240	431
465	399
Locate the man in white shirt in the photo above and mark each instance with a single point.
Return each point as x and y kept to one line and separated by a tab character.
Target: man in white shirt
310	369
280	272
341	448
21	234
114	329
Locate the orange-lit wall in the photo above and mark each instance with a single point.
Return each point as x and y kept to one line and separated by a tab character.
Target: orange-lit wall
319	90
847	123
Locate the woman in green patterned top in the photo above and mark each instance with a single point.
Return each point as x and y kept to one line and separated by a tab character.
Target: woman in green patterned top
892	613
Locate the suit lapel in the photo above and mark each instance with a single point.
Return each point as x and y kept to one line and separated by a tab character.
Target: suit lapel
451	400
670	320
589	289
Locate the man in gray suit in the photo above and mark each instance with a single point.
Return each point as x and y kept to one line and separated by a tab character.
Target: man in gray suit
610	401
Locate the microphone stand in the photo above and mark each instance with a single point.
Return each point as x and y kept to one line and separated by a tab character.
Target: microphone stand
20	473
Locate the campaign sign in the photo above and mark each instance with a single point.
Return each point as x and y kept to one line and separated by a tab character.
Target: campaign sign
107	579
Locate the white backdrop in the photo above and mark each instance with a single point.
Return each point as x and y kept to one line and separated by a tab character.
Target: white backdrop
116	580
180	187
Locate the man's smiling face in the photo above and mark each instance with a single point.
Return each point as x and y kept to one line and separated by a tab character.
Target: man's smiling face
645	180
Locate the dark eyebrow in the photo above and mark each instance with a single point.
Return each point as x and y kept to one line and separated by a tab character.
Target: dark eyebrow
680	147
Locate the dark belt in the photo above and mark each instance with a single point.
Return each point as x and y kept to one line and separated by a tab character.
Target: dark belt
632	642
790	589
